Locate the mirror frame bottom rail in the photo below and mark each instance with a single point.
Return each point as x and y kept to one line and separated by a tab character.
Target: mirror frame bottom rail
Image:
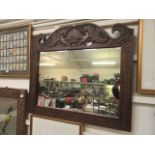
84	118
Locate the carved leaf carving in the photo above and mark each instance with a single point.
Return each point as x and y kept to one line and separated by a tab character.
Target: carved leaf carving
75	36
125	33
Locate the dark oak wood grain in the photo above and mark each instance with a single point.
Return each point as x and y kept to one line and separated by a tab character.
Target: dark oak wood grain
84	37
21	96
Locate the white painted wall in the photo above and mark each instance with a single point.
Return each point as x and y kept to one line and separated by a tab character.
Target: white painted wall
15	83
143	115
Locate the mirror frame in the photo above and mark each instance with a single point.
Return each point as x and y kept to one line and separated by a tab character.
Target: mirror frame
21	96
86	36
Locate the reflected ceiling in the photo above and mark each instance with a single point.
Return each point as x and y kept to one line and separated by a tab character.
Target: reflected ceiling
81	58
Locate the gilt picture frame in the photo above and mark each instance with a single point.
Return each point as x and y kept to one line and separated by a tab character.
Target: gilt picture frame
15	51
42	125
146	57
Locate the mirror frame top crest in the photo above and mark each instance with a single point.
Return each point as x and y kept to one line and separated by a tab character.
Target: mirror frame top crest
86	36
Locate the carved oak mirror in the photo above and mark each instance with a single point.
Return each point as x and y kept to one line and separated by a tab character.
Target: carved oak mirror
13	111
81	73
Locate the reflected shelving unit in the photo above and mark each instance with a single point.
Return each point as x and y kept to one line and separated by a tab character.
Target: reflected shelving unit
89	97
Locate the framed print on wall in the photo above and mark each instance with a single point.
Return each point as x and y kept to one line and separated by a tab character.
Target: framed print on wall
15	51
41	125
146	57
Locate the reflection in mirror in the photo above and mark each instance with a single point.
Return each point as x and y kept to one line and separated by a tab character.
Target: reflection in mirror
85	80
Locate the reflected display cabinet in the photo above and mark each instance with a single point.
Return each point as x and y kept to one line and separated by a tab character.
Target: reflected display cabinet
82	74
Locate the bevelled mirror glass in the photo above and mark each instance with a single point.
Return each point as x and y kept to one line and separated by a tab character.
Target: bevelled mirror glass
85	80
82	74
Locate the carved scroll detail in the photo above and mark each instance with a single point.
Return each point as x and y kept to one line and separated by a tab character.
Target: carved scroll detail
125	33
75	36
